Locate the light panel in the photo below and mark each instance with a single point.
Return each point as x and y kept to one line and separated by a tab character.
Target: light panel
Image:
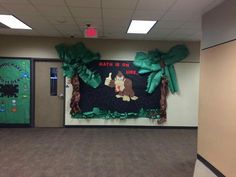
140	26
13	22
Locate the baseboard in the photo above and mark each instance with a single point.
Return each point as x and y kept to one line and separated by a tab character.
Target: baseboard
210	166
15	126
129	126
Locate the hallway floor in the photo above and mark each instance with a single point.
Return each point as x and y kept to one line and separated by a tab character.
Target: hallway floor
97	152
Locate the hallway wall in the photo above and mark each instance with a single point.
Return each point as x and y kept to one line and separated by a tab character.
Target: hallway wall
217	132
182	107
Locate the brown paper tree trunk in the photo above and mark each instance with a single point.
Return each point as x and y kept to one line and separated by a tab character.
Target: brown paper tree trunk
163	100
74	103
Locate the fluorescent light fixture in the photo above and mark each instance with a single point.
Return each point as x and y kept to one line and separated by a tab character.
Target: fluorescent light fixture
140	26
13	22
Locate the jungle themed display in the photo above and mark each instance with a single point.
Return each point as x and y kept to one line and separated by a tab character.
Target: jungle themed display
14	91
120	89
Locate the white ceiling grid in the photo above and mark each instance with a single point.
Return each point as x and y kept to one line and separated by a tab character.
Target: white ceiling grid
177	19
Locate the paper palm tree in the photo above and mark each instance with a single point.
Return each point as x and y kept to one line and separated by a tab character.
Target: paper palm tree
160	67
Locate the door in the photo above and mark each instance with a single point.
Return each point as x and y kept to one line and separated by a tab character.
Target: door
49	94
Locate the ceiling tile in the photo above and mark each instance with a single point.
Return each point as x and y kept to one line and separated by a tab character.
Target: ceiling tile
3	10
66	27
155	4
95	24
156	38
19	9
116	21
18	32
86	13
181	33
196	37
134	36
178	16
117	13
51	33
157	32
147	15
48	30
14	1
212	5
191	5
114	30
113	36
65	20
35	19
48	2
53	10
122	23
192	25
44	28
69	30
84	3
119	4
168	24
196	18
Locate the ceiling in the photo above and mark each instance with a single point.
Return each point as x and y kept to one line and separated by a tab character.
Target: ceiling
177	19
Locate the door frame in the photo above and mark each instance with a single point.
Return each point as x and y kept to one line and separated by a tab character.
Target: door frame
28	125
33	88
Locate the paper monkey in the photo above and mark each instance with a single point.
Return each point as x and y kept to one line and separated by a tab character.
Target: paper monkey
123	86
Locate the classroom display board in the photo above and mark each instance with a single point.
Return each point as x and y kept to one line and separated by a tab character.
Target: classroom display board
121	93
111	90
182	107
14	91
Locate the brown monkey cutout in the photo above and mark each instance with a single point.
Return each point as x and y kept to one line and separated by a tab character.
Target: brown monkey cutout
123	86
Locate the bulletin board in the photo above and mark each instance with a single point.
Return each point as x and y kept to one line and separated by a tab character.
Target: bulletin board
105	102
15	91
182	107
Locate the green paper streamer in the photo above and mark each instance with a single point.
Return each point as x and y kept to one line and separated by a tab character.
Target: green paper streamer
98	113
151	63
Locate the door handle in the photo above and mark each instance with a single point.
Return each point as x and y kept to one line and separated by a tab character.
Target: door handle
61	95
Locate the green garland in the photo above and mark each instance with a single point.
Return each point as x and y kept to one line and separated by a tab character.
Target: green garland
97	113
160	64
75	58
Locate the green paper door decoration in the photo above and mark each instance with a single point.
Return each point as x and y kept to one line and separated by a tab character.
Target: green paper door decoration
159	65
14	91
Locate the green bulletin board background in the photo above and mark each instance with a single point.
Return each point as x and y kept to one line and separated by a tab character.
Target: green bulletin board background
14	91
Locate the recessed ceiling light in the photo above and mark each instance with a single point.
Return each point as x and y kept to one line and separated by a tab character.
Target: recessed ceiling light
140	26
13	22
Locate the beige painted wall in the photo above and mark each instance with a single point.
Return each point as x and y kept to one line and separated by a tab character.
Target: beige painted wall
217	115
43	47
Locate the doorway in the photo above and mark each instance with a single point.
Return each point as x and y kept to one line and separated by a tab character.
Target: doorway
49	94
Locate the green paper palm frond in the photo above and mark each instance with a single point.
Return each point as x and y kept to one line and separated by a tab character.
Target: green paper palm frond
75	57
150	62
154	80
89	77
